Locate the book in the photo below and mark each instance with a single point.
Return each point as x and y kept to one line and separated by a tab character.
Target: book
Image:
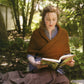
54	63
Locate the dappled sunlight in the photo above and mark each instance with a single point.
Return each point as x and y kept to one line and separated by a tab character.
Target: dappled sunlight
77	81
4	64
13	55
36	21
80	49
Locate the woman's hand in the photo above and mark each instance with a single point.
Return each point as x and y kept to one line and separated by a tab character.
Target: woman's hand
71	62
39	65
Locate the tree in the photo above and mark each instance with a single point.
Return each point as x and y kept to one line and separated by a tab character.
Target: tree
16	13
82	24
26	10
31	13
76	18
3	32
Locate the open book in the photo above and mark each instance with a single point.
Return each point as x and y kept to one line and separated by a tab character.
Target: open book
54	63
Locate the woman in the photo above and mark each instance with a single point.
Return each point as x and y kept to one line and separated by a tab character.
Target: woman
49	41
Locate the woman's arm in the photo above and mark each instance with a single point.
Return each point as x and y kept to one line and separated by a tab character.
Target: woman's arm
35	63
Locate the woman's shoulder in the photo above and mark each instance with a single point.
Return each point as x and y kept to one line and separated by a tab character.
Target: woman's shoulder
35	32
62	29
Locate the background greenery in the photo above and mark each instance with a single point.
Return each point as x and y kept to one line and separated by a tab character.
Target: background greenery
13	44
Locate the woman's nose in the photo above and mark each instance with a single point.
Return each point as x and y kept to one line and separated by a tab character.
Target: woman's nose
50	22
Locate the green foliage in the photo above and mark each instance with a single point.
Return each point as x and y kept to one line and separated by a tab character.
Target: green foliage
75	42
36	21
70	18
3	44
77	71
18	44
14	55
5	2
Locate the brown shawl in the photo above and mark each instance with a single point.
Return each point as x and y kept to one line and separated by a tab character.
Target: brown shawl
40	44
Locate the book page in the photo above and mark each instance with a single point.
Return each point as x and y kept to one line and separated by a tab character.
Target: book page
54	63
66	57
50	60
66	60
50	63
61	58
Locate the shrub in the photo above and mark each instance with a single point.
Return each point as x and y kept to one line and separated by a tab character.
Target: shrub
14	55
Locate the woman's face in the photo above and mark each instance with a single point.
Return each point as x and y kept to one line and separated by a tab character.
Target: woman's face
50	20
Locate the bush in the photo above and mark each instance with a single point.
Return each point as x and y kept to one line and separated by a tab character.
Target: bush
76	72
14	55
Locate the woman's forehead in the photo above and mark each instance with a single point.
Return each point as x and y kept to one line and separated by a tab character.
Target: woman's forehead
51	14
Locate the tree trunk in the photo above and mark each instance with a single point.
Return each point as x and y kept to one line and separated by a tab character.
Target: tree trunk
3	32
24	19
27	10
16	11
31	14
82	25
